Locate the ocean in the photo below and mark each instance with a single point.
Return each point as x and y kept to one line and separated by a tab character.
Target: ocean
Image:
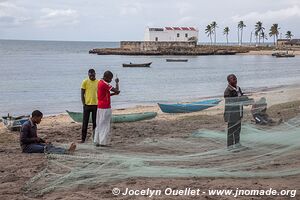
47	75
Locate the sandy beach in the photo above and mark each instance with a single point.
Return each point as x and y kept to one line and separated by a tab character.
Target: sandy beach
268	52
16	168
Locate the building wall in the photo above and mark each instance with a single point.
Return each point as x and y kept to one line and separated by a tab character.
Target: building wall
153	46
170	35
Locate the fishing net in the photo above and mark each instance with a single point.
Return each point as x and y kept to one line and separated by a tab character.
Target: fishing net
200	154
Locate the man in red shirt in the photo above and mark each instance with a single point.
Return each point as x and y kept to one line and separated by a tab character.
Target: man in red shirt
104	112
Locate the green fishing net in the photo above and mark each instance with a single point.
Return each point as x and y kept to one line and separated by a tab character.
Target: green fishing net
200	154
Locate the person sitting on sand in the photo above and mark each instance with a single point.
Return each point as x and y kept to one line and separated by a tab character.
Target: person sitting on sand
259	113
104	112
31	143
233	114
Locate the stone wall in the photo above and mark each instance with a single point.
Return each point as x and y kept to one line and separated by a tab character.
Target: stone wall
154	46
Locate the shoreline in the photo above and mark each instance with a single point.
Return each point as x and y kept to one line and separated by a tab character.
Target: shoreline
153	107
269	52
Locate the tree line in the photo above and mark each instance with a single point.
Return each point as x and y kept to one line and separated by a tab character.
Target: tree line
259	32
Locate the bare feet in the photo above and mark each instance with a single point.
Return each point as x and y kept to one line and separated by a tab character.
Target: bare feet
72	148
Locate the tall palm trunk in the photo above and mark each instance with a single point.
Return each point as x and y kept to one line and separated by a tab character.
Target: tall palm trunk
215	36
238	35
227	38
241	36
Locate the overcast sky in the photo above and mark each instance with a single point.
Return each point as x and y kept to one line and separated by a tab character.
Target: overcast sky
115	20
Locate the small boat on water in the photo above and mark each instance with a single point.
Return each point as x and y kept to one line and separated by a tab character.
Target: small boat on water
283	55
14	123
176	60
77	117
137	65
189	107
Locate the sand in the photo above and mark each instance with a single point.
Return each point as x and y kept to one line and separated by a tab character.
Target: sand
268	52
17	168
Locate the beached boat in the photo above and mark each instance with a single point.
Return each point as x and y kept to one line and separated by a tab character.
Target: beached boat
77	117
14	123
137	65
176	60
189	107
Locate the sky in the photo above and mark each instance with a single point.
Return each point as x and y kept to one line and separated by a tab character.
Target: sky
117	20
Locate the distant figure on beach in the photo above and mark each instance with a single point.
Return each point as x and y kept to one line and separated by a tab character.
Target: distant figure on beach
234	101
89	102
31	143
104	112
259	113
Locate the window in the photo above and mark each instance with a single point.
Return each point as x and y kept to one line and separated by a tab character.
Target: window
186	35
156	38
178	35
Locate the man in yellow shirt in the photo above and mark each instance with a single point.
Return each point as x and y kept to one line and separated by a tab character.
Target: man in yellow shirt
89	100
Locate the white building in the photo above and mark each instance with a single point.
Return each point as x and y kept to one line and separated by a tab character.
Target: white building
171	34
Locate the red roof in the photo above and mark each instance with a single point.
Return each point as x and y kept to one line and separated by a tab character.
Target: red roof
185	28
181	28
169	28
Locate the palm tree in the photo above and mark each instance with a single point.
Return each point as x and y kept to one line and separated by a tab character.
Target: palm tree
214	26
263	36
256	36
226	32
274	31
241	26
258	30
209	32
289	35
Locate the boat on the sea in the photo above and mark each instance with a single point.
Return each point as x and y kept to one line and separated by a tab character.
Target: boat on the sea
14	123
283	55
188	107
176	60
137	65
134	117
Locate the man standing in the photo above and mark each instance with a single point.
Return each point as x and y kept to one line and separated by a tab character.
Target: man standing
233	111
104	113
89	102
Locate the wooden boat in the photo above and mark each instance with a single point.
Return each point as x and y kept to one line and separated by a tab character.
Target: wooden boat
137	65
176	60
190	107
284	55
77	117
14	123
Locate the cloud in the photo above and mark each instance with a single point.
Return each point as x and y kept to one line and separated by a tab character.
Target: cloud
271	15
131	9
55	17
186	21
12	15
184	7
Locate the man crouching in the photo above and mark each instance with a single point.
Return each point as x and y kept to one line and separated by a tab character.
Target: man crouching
31	143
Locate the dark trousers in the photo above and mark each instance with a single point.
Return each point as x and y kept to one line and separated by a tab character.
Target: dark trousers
87	110
262	119
233	133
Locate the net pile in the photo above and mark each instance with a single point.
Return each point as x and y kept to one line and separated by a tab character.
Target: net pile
201	154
